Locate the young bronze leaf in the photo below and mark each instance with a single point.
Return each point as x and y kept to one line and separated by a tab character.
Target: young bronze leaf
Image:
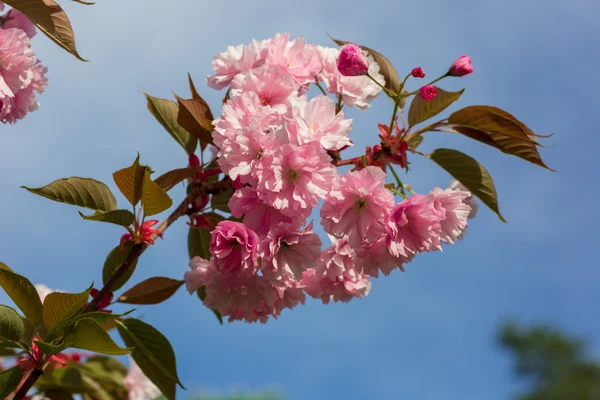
154	199
114	260
421	110
59	307
82	192
470	173
11	324
198	243
152	352
50	18
195	116
386	68
221	201
129	181
9	380
118	217
169	179
151	291
88	335
165	112
23	294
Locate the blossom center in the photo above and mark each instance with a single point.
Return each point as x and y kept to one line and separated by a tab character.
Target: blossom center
292	175
265	101
361	203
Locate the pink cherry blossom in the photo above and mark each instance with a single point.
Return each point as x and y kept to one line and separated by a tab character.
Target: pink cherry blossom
357	206
300	59
16	62
461	67
24	101
273	85
356	91
138	385
375	257
352	61
288	252
294	179
470	201
243	112
452	207
234	247
202	271
413	227
319	122
336	277
16	19
259	216
233	61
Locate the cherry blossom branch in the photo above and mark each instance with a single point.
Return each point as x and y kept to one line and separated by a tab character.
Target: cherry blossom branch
339	163
197	191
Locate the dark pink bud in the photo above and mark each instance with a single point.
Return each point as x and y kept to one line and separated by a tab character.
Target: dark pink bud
352	61
418	73
194	161
428	92
461	67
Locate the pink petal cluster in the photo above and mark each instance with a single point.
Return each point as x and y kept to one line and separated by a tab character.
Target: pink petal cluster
276	145
461	67
21	75
356	91
428	92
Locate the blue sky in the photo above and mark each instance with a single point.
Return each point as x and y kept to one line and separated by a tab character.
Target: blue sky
427	333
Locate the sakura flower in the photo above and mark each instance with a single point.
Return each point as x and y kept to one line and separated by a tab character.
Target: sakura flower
138	385
336	277
16	62
233	61
319	122
352	61
259	216
16	19
273	85
143	233
413	227
294	179
234	247
288	252
452	207
470	201
375	257
355	90
357	205
300	59
24	101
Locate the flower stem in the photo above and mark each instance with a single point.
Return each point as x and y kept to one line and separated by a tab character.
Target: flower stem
386	90
320	87
339	105
398	180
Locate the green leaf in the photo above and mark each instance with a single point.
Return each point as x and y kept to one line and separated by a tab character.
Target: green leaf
195	116
199	243
386	68
151	291
152	352
89	335
58	394
30	331
129	181
166	112
154	199
82	192
421	110
221	201
169	179
99	317
11	324
414	142
119	217
114	260
23	294
70	379
59	307
9	380
51	20
499	129
49	349
471	174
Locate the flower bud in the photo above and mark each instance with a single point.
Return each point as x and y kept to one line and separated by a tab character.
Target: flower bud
194	161
418	73
428	92
461	67
352	61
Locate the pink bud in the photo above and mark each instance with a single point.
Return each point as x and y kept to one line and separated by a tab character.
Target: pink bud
428	92
418	73
194	161
461	67
352	61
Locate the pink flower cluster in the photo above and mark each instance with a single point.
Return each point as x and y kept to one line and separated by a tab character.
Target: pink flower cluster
273	142
21	75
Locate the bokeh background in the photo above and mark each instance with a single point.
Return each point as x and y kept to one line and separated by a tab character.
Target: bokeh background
427	333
